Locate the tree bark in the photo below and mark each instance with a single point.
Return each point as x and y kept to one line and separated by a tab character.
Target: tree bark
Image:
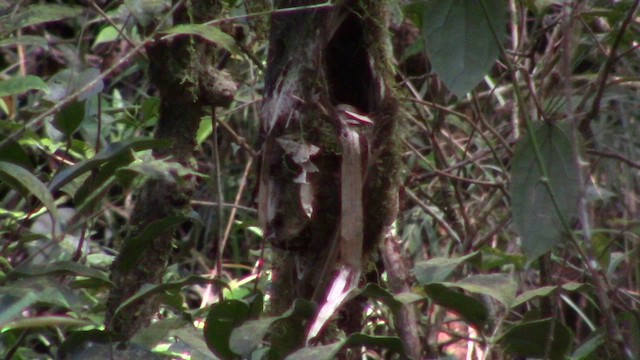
328	182
182	69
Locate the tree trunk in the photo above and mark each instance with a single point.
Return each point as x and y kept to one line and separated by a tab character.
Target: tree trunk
183	71
329	175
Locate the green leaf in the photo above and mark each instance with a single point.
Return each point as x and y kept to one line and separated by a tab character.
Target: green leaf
20	84
249	335
470	309
46	321
323	352
77	344
148	290
544	291
22	180
588	348
534	215
37	14
531	339
329	352
106	34
68	119
62	268
11	309
532	294
460	43
112	152
388	342
158	331
69	81
499	286
376	292
13	152
629	321
192	337
208	32
133	249
26	40
222	319
439	269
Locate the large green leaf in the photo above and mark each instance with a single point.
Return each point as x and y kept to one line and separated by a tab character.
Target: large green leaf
33	40
460	42
148	290
249	335
501	287
13	152
222	319
67	82
24	181
534	215
133	248
439	269
60	268
208	32
534	339
69	118
16	296
21	84
37	14
111	153
470	309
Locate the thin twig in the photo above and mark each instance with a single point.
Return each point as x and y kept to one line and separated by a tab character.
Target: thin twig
218	181
215	203
614	155
118	29
437	218
234	208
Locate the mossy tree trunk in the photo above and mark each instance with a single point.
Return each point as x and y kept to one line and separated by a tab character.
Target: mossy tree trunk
183	70
329	175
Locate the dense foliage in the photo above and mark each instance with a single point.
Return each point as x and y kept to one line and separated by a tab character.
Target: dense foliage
520	200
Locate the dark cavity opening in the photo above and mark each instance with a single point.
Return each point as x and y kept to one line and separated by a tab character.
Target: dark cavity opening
347	67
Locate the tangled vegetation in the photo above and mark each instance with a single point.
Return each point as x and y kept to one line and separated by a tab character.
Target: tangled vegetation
519	215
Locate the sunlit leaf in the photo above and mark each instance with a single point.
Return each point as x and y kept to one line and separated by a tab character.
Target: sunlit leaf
106	34
21	84
534	214
460	43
